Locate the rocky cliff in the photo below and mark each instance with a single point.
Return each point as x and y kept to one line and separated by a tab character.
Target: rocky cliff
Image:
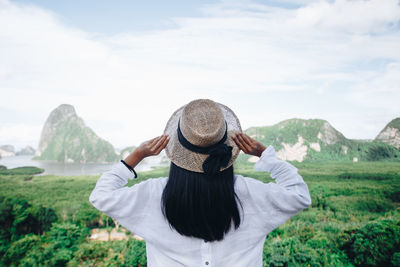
66	138
316	139
391	133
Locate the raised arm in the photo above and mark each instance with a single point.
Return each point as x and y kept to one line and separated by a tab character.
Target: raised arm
278	201
290	192
110	194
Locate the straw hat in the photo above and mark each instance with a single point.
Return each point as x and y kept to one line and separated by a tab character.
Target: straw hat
204	135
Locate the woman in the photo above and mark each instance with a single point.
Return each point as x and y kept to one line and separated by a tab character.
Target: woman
202	214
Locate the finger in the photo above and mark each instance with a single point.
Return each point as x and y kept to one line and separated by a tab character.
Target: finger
246	139
159	142
239	144
163	145
250	141
243	148
156	140
244	143
237	141
152	141
164	142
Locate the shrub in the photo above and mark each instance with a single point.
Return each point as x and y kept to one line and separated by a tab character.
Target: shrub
395	196
381	151
18	218
318	197
123	253
45	216
302	231
135	253
373	244
276	232
23	219
396	259
86	216
289	252
373	204
66	235
92	253
19	248
64	239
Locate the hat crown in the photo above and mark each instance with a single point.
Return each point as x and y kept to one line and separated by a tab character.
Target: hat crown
202	122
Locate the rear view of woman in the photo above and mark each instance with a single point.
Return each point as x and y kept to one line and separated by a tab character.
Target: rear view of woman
202	214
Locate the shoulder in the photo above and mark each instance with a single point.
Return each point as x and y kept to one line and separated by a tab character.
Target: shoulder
149	189
153	182
149	186
245	186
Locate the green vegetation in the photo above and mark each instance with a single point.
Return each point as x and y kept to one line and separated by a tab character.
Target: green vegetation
288	131
394	123
27	170
66	138
381	151
79	143
333	146
354	219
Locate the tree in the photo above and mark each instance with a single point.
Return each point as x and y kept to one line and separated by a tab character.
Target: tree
373	244
64	239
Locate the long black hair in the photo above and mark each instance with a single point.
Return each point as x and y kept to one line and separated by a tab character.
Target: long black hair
201	205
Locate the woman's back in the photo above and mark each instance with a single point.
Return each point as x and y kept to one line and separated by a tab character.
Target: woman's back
265	206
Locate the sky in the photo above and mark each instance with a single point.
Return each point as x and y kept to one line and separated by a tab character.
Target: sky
126	66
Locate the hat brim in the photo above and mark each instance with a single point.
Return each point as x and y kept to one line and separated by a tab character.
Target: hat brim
193	161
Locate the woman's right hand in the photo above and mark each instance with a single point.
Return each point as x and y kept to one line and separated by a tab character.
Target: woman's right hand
153	147
248	145
148	148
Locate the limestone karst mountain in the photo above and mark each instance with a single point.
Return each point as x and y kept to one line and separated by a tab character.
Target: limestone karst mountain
391	133
316	139
28	150
66	138
7	151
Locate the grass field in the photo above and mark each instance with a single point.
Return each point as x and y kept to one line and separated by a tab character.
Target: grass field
354	219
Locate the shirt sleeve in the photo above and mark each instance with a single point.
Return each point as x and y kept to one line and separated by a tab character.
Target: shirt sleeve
281	200
125	204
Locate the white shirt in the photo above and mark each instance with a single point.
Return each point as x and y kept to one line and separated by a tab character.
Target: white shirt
265	205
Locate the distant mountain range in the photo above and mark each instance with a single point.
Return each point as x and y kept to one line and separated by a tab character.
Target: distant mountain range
9	150
315	139
66	138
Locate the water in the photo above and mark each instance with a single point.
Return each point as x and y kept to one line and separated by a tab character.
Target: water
69	169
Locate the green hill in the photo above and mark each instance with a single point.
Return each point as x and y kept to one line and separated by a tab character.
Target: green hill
66	138
315	139
391	133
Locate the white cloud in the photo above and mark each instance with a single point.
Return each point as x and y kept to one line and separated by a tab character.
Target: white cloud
237	48
350	16
378	89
